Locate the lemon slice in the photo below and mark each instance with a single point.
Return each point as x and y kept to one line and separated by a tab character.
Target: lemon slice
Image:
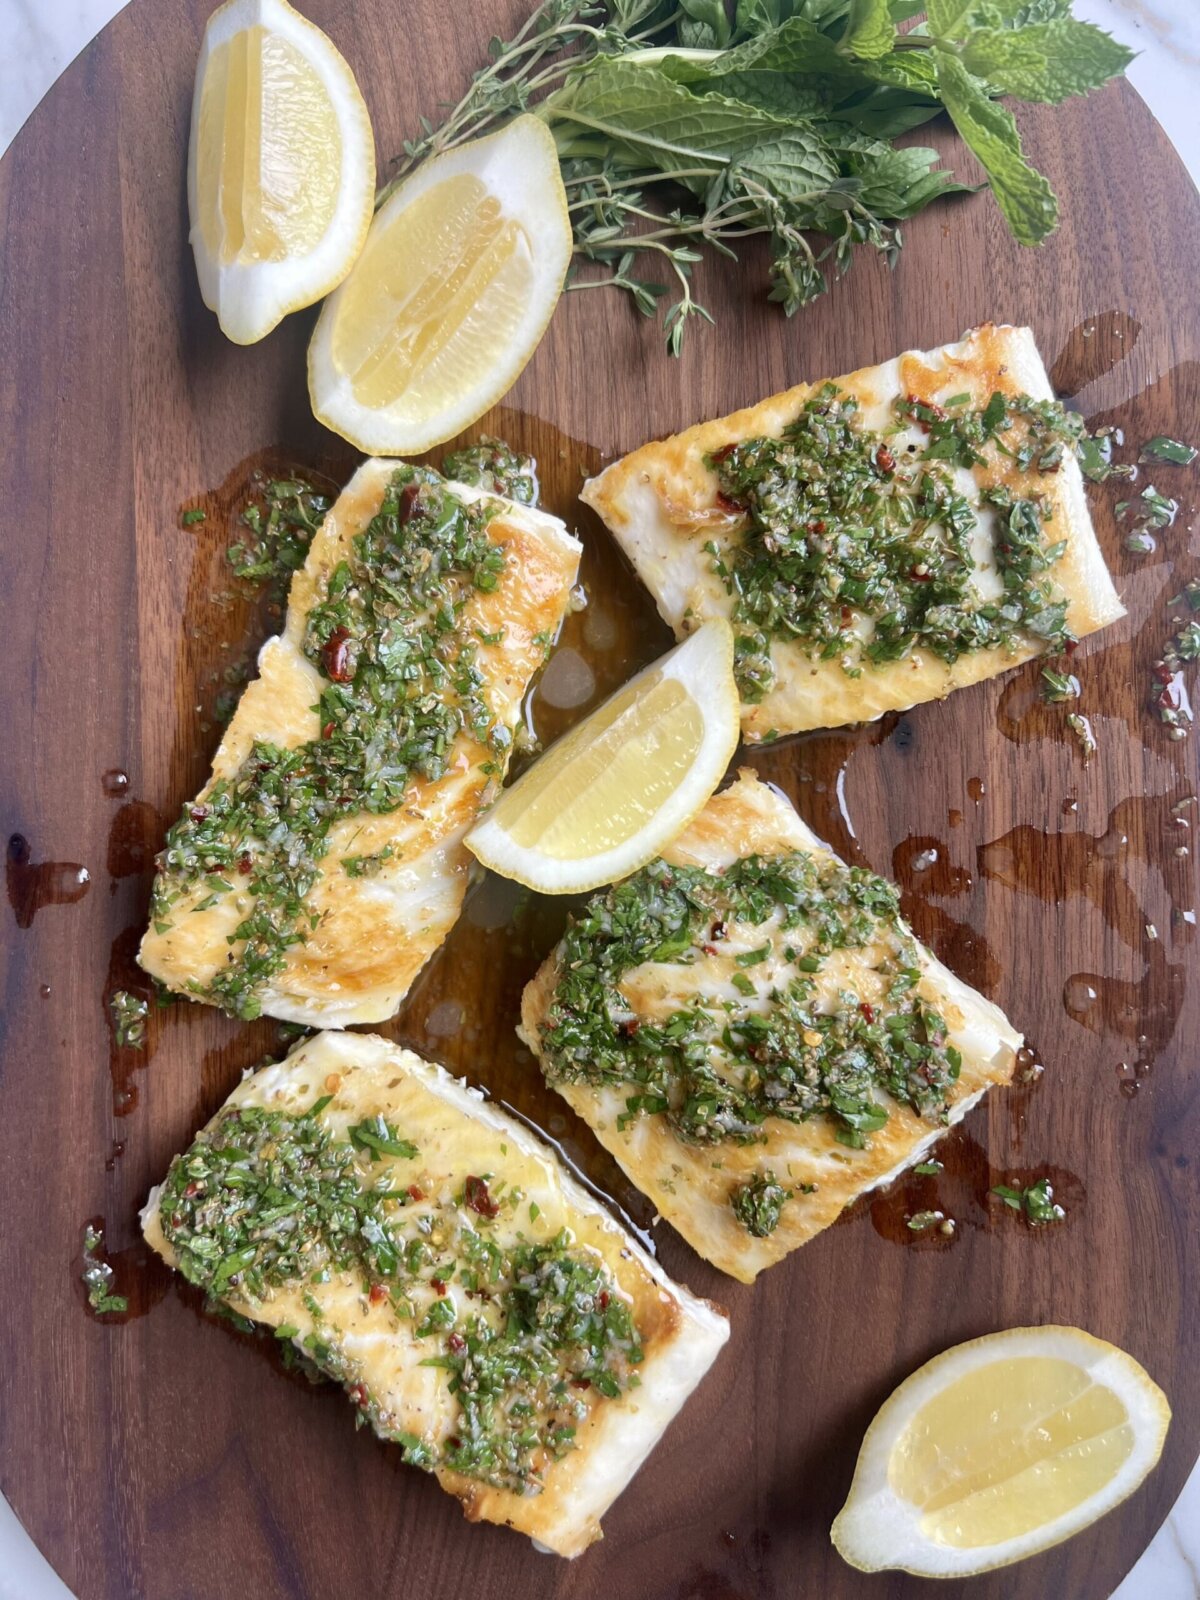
615	790
281	166
461	271
997	1449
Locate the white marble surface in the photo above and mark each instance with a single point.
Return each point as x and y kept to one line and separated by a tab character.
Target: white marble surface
38	38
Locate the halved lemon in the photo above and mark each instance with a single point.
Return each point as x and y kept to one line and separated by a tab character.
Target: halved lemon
618	788
281	166
997	1449
461	271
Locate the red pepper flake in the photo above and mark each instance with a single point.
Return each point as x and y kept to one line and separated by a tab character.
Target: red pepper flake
439	1284
378	1293
327	731
919	577
730	506
711	950
414	1193
245	864
723	453
719	930
1165	700
198	813
602	1300
1070	647
454	1442
456	1342
333	654
581	1383
884	459
408	501
359	1394
817	525
478	1198
192	1190
1163	674
628	1029
868	1011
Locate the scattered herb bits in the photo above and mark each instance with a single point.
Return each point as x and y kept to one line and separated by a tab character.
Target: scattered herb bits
98	1276
1035	1203
1172	451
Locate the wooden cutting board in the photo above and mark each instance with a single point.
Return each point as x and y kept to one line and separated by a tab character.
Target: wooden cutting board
170	1456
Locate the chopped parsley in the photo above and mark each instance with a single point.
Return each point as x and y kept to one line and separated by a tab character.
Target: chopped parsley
718	1067
1172	451
845	524
758	1204
399	684
528	1334
1037	1202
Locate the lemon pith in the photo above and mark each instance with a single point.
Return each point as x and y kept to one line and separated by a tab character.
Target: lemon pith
1000	1448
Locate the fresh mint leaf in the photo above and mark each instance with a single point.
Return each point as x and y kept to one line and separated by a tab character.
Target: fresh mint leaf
709	28
1023	194
950	19
870	31
1048	61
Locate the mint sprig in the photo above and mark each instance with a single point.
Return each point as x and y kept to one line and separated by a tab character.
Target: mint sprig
685	126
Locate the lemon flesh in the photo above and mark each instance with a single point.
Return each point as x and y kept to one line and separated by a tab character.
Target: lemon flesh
281	168
615	790
998	1449
460	274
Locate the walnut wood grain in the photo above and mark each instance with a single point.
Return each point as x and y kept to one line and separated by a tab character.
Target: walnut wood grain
170	1457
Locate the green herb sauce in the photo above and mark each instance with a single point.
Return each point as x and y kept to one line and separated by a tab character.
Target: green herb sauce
844	523
495	466
758	1204
718	1068
1036	1203
278	532
400	683
128	1013
524	1332
98	1276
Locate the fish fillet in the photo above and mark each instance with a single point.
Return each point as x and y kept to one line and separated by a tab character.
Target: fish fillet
391	882
463	1211
662	505
738	968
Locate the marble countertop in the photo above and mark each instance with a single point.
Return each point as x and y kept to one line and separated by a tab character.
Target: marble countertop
37	41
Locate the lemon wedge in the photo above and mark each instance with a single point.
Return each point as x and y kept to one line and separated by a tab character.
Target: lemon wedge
615	790
461	271
281	166
997	1449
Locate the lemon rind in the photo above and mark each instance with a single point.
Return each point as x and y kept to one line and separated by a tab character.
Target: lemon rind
877	1530
493	846
375	431
247	297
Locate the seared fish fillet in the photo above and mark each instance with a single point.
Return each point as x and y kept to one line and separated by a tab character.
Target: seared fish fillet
323	863
755	1034
795	550
431	1255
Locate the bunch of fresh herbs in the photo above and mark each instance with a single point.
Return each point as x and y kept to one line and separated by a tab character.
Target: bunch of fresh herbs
682	124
